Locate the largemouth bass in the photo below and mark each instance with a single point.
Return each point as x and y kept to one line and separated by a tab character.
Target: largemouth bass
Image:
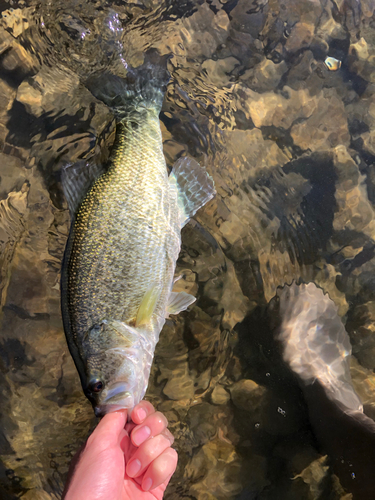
119	263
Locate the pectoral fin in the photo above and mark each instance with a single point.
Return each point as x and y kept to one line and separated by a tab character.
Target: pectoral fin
195	187
147	306
179	301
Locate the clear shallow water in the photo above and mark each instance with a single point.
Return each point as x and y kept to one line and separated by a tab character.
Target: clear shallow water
290	145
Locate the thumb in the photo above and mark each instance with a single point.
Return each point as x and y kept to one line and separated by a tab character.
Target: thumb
109	430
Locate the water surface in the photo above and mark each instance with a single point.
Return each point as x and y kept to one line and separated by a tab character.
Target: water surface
290	144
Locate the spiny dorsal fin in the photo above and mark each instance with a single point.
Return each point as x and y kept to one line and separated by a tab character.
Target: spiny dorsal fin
195	187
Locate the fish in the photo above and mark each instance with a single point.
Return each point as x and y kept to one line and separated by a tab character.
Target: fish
119	263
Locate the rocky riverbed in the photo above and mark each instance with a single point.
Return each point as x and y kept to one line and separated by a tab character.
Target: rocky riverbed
290	143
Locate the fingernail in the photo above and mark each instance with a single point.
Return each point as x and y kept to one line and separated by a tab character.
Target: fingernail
141	435
133	468
141	414
147	484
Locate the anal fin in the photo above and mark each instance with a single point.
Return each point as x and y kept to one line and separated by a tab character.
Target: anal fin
179	301
195	187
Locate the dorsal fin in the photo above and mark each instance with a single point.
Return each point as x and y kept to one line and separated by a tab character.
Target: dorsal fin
195	187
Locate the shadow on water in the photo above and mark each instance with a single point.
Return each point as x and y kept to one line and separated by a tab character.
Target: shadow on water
10	484
281	425
316	422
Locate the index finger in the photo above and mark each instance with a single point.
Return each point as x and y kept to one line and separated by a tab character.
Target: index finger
141	411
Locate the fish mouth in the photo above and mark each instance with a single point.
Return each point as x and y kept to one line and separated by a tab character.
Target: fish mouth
117	399
102	410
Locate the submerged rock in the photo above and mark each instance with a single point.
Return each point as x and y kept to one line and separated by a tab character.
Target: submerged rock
361	59
280	110
314	475
290	145
219	396
248	395
218	471
325	128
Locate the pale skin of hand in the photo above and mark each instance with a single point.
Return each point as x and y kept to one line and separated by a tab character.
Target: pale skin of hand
105	469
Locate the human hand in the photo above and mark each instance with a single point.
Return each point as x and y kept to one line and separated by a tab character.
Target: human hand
105	468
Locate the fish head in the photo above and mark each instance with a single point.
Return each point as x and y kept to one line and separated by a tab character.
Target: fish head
114	364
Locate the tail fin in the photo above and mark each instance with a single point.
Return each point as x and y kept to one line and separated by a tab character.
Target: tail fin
142	87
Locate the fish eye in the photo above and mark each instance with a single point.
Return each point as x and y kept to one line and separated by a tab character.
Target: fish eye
96	386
